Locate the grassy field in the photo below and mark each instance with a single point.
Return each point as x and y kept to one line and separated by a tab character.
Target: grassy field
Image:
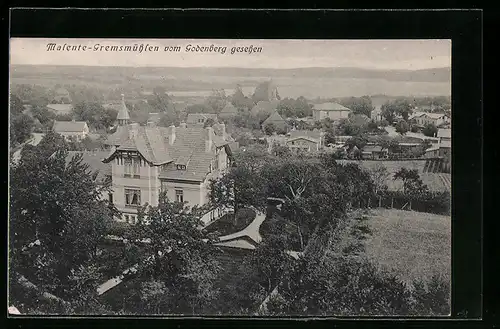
414	245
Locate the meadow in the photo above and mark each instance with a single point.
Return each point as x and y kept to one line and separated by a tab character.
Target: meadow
413	245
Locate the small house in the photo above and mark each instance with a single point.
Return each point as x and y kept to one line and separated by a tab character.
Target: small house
332	111
77	130
374	152
277	120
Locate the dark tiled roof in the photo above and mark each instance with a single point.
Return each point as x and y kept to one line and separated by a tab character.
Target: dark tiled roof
69	126
188	148
94	160
275	118
316	134
330	107
60	108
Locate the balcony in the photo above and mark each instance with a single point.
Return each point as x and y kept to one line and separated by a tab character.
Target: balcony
136	176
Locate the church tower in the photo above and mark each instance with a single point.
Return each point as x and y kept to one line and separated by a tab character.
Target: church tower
123	117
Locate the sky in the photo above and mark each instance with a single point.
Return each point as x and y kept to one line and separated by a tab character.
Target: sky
369	54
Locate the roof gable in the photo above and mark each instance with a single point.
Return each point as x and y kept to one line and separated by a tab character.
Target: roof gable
330	106
275	117
69	126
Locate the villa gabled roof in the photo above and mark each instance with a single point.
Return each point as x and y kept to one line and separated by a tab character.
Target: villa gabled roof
188	148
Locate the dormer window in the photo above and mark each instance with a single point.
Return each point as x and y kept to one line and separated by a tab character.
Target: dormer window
181	167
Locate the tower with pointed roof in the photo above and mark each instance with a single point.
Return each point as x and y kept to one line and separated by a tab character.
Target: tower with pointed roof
123	118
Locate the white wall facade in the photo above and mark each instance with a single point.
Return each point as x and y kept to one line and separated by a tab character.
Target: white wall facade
319	115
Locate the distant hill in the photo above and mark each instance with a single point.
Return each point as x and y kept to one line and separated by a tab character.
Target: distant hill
427	75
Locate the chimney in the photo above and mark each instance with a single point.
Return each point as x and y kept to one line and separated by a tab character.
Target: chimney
132	130
171	134
208	140
183	125
223	130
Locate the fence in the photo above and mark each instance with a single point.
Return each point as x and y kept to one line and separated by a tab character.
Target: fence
440	205
214	214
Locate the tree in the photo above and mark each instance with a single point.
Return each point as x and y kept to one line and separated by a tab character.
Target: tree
400	107
295	108
330	136
263	92
412	184
94	114
402	127
209	123
240	101
58	205
21	127
430	130
359	105
270	128
217	100
281	151
168	119
16	105
181	260
379	175
357	141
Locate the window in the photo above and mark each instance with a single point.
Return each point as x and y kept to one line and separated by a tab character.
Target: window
126	218
132	197
181	167
110	197
179	195
132	167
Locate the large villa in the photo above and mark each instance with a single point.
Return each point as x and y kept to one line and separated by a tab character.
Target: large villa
143	161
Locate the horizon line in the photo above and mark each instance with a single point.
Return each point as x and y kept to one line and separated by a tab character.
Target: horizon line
238	67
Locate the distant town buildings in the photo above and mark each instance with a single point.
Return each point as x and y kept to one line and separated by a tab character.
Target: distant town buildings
425	118
333	111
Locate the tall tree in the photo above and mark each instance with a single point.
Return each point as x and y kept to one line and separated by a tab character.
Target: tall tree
359	105
57	205
183	262
21	127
